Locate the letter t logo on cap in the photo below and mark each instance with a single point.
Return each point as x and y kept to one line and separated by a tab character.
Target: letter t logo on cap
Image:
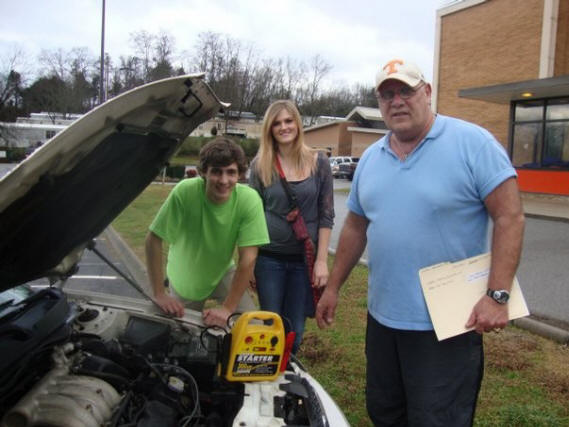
391	66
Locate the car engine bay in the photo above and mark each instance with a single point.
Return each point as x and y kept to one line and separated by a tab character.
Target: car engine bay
78	363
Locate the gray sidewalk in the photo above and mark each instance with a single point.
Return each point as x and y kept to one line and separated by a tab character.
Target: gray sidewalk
546	206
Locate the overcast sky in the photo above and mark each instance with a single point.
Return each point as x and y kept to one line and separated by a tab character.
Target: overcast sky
354	37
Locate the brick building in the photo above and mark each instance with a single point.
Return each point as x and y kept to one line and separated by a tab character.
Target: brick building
504	64
349	136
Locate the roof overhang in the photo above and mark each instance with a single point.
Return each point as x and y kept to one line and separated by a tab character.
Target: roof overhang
517	91
366	113
323	125
368	130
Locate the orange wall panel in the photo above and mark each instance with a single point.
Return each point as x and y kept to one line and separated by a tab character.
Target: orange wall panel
541	181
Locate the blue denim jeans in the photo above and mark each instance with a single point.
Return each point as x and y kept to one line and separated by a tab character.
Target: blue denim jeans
284	288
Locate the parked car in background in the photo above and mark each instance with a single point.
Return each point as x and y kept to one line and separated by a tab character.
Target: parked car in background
347	169
334	166
343	172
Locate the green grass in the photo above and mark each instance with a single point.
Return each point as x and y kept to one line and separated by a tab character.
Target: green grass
526	381
133	222
185	160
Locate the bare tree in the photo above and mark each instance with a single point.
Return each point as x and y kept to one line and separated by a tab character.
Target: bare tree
54	63
130	73
142	42
11	83
246	80
263	87
80	60
83	93
164	46
295	74
163	49
364	95
68	72
11	86
311	91
208	56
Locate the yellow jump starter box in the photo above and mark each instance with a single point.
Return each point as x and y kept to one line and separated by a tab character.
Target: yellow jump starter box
256	348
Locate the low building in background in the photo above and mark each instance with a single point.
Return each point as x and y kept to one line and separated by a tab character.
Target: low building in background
18	139
238	124
348	136
38	128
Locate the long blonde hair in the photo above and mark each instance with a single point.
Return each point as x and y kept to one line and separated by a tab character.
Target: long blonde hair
303	156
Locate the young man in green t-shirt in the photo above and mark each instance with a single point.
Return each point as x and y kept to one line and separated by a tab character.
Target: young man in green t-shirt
202	221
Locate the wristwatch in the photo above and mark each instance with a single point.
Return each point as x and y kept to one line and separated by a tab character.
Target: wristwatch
501	297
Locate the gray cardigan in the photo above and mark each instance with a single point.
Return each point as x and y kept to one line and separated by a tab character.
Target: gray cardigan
315	196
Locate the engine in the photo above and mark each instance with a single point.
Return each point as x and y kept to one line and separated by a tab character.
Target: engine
102	366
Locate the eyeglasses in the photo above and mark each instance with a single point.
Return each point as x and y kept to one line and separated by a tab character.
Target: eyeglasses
405	92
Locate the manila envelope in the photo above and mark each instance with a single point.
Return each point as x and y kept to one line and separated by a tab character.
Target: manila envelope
452	289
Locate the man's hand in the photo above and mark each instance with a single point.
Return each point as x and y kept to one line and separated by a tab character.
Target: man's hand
216	316
505	208
326	309
169	305
350	247
320	274
487	315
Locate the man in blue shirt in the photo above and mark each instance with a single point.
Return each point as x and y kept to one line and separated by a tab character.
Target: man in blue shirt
422	195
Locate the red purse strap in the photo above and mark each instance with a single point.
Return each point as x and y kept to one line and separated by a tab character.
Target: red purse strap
279	167
290	194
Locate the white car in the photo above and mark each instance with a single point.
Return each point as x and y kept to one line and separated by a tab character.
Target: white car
77	358
336	161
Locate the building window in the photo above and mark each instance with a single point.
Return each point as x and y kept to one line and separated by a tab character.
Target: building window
540	133
49	134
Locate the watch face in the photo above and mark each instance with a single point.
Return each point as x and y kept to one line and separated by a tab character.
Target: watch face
501	296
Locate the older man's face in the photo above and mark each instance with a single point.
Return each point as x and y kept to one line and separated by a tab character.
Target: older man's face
406	116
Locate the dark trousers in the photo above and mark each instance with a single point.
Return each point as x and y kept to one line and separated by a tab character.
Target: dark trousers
415	380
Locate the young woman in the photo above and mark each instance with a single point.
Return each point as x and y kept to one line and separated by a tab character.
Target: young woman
281	273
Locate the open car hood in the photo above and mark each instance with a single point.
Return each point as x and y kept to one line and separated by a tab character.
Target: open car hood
64	195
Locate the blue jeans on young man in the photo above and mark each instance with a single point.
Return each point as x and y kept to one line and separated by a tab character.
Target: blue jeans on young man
283	288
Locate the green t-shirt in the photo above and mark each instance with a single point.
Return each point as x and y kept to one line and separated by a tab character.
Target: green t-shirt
202	235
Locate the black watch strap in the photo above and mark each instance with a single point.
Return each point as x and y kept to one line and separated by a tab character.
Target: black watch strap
500	296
